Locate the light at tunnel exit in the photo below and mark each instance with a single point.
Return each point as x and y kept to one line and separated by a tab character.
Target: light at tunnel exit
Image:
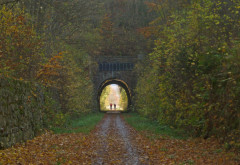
113	97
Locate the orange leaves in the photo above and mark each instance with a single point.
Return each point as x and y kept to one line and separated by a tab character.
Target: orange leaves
106	27
152	6
107	23
21	19
148	31
51	149
51	70
106	144
165	150
55	59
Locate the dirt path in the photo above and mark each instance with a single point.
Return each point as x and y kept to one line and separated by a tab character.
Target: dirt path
113	142
116	143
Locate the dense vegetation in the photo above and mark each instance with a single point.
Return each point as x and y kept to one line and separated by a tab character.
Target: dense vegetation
191	79
104	100
38	43
54	43
123	101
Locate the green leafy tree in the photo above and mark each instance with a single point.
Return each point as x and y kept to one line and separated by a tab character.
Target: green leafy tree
195	62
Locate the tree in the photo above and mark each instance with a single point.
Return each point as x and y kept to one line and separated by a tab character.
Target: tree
195	64
20	46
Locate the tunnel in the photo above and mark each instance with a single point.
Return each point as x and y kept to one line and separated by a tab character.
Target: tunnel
121	84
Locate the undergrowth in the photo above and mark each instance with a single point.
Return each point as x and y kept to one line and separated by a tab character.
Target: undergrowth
82	124
154	128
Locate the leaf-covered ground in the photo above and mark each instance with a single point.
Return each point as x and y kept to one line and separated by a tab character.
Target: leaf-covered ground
113	141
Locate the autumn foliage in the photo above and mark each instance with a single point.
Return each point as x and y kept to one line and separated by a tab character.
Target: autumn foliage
20	46
191	79
27	53
50	70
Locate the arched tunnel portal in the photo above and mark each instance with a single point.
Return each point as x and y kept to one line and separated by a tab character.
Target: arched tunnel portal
119	82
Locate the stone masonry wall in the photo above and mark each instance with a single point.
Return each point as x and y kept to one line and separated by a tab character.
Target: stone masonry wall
21	107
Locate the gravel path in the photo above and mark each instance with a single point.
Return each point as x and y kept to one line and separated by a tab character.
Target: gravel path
132	157
116	142
102	134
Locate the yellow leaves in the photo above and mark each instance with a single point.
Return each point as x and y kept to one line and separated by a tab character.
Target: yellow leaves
84	138
206	32
18	43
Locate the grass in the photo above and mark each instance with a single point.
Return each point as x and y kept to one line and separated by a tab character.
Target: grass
83	124
156	129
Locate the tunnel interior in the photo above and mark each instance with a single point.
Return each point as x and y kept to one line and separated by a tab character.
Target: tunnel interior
114	94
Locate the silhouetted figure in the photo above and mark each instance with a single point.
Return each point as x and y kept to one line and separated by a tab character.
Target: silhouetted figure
111	106
115	106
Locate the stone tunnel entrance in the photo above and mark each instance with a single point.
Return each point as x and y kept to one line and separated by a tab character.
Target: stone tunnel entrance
121	88
119	70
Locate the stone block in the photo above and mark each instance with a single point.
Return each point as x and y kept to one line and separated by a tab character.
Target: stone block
16	113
